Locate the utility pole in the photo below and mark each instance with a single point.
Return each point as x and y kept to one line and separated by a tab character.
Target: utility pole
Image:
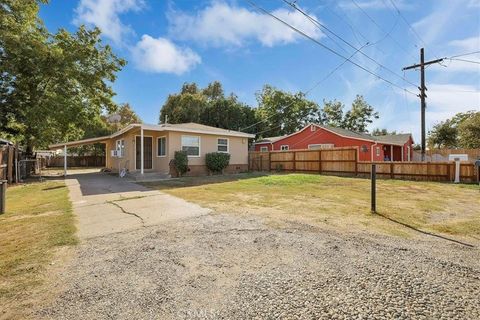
423	88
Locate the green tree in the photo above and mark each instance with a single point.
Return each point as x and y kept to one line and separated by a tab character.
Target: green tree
332	113
121	118
469	132
359	116
53	85
460	131
356	119
282	112
443	135
208	106
105	125
382	132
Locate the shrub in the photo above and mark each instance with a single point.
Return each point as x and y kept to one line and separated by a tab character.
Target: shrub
181	162
217	161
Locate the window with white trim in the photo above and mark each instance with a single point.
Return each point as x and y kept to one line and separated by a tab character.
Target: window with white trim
161	146
263	149
284	147
377	151
318	146
222	145
120	148
313	128
191	144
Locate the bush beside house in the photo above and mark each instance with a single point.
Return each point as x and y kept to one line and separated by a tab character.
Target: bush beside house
181	162
217	161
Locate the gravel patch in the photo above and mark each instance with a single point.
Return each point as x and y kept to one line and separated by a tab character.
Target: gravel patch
239	267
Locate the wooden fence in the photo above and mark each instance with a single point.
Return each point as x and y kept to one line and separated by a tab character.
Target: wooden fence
76	161
8	154
344	161
441	155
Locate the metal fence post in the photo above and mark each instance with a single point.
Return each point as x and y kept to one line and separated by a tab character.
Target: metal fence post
3	193
373	178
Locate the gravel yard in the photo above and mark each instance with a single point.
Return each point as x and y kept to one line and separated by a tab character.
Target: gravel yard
223	266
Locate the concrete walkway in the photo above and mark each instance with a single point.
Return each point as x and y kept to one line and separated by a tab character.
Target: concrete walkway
106	204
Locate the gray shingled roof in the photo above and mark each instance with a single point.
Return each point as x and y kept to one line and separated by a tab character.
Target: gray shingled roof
401	138
398	139
270	139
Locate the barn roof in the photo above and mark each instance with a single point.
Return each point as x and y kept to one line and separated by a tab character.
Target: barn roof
397	139
401	138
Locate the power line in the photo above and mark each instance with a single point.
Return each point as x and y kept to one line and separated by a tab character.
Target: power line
327	48
320	25
308	91
408	23
349	24
464	60
381	29
464	54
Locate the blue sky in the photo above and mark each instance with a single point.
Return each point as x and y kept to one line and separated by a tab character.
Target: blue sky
167	43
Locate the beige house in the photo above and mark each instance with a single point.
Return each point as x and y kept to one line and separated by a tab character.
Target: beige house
144	148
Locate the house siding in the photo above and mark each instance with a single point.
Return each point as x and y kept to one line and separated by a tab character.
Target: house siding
303	138
238	149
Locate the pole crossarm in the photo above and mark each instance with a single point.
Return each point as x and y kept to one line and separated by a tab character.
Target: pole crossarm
418	65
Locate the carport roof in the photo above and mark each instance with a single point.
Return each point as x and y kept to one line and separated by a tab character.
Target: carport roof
79	142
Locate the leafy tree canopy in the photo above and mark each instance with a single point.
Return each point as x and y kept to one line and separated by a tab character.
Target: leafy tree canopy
460	131
208	106
52	85
104	125
382	132
356	119
281	112
469	132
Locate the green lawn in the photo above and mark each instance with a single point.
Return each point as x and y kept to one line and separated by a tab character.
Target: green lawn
38	220
339	202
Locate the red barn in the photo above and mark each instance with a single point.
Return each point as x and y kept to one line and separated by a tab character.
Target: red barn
396	147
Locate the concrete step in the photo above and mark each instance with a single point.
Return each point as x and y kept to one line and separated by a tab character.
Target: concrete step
148	176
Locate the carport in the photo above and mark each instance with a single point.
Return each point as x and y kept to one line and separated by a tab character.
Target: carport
78	143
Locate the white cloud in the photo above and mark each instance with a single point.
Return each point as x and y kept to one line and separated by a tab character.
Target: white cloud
160	55
223	25
105	15
434	26
466	45
445	100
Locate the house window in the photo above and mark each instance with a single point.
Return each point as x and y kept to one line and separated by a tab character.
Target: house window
263	149
319	146
377	151
191	144
120	148
222	145
161	146
313	128
284	147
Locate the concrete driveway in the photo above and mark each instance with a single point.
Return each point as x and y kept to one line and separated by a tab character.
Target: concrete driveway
106	204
